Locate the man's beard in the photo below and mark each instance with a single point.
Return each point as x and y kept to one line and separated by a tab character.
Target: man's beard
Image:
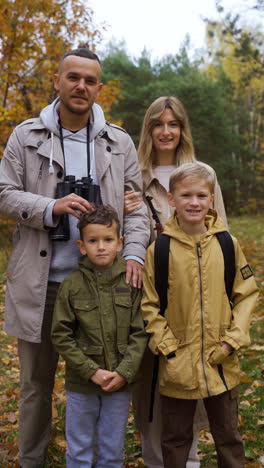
78	111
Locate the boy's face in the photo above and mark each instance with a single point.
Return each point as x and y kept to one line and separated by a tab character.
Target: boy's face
100	243
192	199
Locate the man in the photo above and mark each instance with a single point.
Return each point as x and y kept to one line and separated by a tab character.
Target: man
71	137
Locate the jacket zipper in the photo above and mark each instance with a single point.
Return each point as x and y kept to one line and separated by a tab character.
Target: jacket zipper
107	360
199	255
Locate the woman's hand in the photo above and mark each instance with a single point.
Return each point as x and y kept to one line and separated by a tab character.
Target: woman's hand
132	201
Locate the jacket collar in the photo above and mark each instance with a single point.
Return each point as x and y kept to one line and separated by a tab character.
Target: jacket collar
108	132
42	141
148	177
106	141
213	223
118	267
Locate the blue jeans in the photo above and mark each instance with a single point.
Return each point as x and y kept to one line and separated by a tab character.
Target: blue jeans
87	414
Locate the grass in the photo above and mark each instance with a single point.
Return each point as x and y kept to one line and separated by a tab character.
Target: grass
250	232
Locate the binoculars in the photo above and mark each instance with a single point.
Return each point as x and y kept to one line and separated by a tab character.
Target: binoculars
85	189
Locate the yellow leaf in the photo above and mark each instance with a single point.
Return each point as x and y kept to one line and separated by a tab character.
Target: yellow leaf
6	361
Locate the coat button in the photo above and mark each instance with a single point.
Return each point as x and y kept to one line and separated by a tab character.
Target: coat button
60	174
43	253
24	215
39	143
108	148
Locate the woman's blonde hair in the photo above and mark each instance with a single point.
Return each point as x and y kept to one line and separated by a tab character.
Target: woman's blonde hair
184	151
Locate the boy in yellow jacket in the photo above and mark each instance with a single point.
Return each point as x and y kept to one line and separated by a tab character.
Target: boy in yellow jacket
201	331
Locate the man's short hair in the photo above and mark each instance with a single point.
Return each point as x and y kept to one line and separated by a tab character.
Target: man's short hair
195	171
99	214
81	52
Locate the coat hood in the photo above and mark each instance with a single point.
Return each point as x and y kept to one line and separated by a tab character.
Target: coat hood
50	119
213	223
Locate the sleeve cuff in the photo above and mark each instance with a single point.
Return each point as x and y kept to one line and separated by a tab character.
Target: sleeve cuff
134	257
48	219
167	347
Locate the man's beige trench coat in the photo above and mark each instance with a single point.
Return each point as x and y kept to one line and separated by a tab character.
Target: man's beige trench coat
26	189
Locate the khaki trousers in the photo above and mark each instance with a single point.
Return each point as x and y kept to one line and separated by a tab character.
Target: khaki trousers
38	362
177	429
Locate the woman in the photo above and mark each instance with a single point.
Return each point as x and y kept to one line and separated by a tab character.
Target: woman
165	143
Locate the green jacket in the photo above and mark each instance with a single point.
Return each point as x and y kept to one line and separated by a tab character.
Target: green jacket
97	323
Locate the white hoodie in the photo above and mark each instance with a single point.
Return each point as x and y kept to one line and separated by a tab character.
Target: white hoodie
65	253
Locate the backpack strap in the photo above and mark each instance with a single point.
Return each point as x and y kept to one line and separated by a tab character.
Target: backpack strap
227	246
161	267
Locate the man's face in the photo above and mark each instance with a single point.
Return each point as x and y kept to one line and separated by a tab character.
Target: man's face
78	84
100	243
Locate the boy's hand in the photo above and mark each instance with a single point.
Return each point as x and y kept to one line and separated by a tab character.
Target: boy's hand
101	377
226	346
117	382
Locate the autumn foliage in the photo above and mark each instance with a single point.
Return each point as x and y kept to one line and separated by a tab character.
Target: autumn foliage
34	35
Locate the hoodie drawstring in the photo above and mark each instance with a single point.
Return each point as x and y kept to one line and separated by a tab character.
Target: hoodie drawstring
51	168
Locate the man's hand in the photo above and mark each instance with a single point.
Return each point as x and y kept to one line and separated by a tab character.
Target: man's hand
71	204
134	271
132	201
102	377
116	382
227	347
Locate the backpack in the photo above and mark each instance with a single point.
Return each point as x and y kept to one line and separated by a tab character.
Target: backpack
161	265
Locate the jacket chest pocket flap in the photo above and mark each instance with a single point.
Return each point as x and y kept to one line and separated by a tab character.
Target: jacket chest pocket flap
123	307
87	312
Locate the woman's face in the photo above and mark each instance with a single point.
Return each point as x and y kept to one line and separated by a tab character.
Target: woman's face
166	133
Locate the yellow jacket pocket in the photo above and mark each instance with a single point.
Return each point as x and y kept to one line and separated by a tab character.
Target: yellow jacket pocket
177	368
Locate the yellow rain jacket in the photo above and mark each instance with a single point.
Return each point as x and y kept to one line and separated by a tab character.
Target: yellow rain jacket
192	363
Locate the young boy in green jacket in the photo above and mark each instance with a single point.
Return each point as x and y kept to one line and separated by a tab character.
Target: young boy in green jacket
198	337
98	329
